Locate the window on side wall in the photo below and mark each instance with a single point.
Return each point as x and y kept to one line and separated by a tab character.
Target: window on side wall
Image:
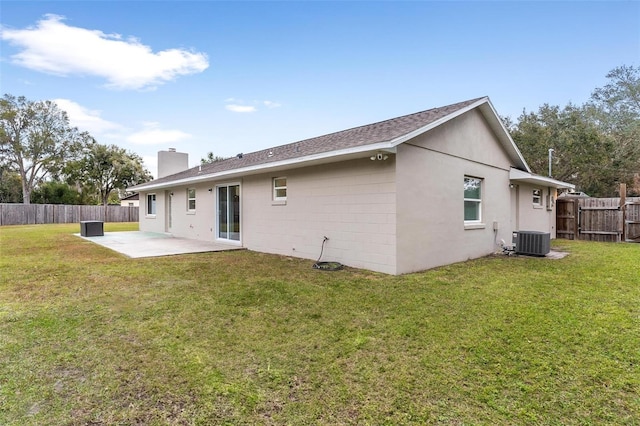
472	200
280	189
537	198
151	204
191	199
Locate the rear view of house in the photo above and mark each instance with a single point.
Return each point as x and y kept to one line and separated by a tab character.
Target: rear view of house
402	195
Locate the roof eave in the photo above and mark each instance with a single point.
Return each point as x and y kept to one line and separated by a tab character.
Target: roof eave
314	159
491	115
516	175
484	104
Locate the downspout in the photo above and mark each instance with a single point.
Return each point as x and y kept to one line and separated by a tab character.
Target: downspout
552	219
517	208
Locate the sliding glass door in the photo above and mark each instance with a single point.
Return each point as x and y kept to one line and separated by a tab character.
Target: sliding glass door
228	212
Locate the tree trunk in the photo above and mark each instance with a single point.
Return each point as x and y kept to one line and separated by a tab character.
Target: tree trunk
26	193
26	190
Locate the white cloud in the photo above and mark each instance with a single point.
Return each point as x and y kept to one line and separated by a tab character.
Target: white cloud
151	163
54	47
240	108
154	135
238	105
86	119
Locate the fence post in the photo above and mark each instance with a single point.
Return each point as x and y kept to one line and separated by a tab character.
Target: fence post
576	222
623	209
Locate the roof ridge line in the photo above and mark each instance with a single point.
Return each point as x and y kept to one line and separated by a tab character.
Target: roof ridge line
352	139
468	101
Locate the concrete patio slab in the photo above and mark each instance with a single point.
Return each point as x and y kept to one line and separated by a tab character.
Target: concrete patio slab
554	254
136	244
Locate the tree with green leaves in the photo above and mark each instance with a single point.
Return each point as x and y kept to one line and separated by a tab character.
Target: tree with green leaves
581	150
616	107
211	158
596	145
35	140
620	98
105	168
10	185
55	192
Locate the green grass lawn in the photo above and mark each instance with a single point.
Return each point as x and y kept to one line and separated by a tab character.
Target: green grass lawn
88	336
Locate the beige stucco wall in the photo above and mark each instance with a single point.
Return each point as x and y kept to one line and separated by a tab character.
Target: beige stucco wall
152	223
430	193
352	203
134	203
198	225
530	217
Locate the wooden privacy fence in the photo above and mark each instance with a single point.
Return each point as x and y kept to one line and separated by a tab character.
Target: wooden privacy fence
30	214
598	219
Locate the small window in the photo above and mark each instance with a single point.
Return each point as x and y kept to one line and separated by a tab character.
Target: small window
472	200
191	199
151	204
537	197
280	188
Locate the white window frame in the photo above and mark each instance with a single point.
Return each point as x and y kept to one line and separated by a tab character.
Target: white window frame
190	199
536	199
152	205
477	221
279	188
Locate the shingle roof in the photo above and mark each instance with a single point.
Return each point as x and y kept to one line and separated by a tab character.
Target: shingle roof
131	197
369	134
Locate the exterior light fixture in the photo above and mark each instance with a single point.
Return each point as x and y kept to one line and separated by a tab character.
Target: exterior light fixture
379	156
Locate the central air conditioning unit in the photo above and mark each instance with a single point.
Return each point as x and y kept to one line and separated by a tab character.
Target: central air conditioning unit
532	243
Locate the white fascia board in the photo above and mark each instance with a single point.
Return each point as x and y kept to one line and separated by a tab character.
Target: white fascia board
522	176
497	121
259	168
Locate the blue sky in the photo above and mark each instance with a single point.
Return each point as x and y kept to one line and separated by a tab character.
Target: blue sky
233	77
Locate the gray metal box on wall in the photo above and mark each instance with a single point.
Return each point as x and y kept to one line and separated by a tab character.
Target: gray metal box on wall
92	228
533	243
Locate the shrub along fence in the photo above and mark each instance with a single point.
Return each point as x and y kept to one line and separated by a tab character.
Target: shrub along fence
31	214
